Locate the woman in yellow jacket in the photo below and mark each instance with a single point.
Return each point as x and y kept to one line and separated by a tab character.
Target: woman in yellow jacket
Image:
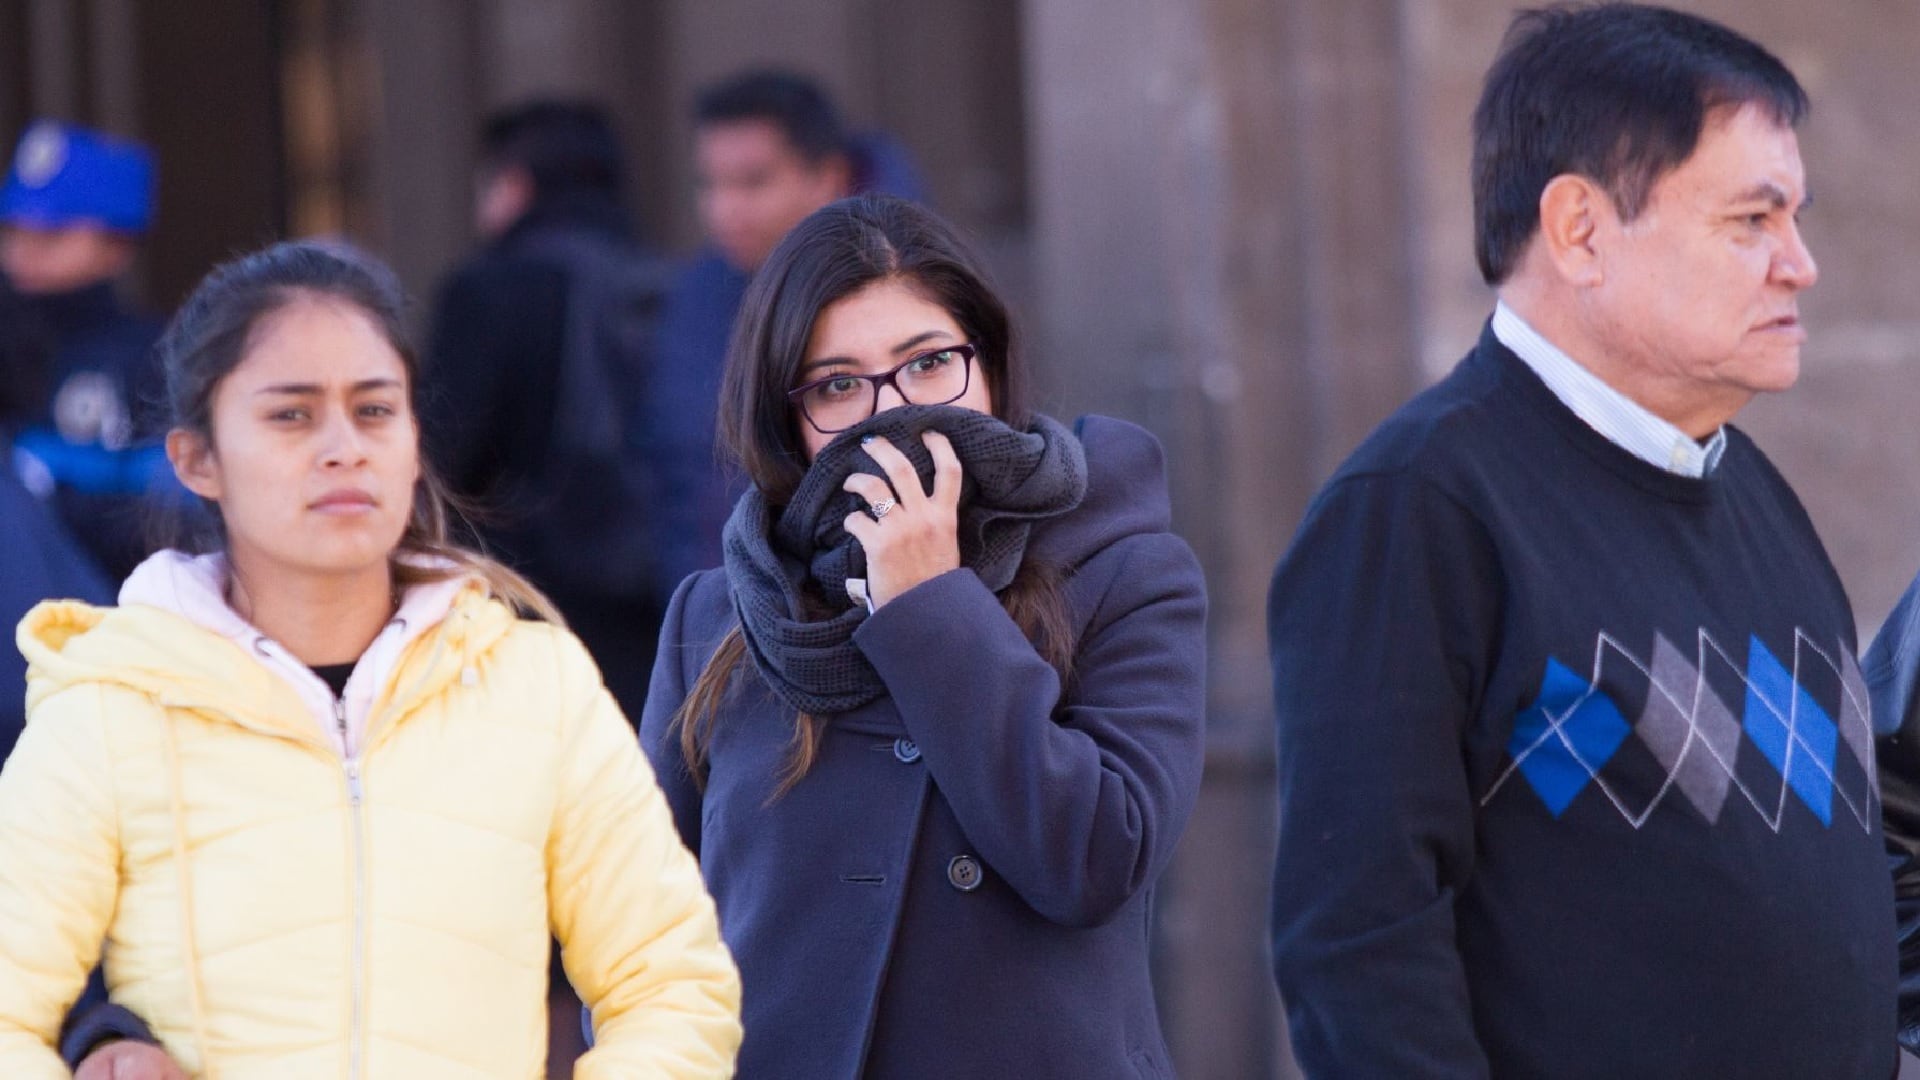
324	794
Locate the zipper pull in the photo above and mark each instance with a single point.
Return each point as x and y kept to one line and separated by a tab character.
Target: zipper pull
353	782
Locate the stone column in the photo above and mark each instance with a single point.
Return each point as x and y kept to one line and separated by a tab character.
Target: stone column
214	128
1221	238
423	58
113	67
54	30
15	77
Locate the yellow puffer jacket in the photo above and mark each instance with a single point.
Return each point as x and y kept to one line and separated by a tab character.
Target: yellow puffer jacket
275	910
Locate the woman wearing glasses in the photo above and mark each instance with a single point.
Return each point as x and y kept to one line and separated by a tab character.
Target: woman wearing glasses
934	728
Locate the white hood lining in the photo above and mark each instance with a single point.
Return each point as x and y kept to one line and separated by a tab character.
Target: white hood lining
194	588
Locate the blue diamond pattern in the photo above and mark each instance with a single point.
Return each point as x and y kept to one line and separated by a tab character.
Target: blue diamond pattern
1780	715
1591	732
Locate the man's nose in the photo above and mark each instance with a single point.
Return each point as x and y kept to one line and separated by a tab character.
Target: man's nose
1794	263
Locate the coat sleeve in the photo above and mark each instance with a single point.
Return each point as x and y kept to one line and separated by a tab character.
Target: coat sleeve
1076	801
666	690
1379	620
1891	667
637	931
95	1022
59	875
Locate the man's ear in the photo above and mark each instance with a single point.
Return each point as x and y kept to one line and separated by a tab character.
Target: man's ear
1574	215
194	463
503	197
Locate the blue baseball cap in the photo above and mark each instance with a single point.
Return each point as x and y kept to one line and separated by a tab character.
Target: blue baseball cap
66	175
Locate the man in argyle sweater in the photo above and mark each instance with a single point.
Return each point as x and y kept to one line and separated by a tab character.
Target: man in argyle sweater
1576	767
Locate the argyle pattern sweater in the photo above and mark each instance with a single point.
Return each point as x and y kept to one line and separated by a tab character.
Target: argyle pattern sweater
1576	763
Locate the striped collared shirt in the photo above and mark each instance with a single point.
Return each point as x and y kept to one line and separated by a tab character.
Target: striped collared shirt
1614	415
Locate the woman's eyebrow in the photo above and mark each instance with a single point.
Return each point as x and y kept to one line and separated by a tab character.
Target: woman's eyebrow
919	339
300	389
915	340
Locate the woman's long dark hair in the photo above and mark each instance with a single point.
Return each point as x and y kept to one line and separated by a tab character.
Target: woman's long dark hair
212	331
834	253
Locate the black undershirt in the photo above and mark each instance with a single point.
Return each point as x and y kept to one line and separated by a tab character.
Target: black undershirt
335	676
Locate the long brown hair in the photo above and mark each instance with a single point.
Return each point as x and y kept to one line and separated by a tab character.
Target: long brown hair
209	337
835	252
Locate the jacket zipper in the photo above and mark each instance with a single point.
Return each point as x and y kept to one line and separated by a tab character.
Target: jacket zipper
356	1040
356	1035
356	791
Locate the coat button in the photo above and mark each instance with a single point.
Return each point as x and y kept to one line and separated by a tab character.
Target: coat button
963	873
906	750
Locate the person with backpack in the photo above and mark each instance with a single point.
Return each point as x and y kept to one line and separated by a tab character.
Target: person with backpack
538	365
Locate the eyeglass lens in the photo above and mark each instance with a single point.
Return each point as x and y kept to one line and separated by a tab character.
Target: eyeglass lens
934	378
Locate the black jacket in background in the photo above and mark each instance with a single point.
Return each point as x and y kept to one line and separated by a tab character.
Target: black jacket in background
488	400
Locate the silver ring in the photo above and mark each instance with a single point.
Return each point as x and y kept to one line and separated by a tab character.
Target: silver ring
882	508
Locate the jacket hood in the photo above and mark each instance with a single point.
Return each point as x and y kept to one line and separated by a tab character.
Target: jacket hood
174	640
1126	494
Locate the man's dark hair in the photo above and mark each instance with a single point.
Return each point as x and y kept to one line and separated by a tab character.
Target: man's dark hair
793	103
1618	93
566	146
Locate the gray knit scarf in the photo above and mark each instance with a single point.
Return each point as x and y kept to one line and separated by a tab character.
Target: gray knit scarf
789	574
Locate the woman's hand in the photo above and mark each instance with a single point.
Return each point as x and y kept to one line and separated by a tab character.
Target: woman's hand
127	1060
917	538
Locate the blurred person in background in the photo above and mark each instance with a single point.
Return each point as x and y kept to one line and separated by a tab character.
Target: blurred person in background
936	724
42	560
538	366
769	148
325	791
1891	668
73	209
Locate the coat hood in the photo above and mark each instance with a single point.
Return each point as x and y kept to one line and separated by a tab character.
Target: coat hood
174	640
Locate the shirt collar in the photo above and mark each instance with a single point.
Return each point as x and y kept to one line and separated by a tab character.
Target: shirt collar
1617	417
